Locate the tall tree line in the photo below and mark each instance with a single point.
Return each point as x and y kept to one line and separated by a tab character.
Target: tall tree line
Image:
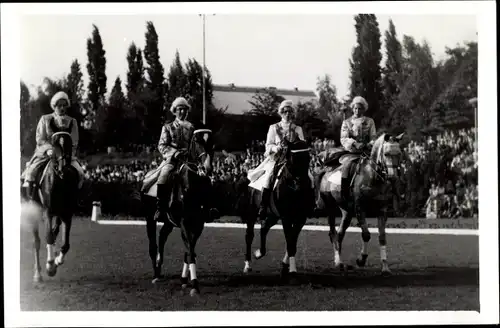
409	92
137	105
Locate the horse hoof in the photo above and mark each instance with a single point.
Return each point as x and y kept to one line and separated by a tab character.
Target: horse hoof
37	278
51	268
157	280
360	263
293	280
194	292
247	270
258	254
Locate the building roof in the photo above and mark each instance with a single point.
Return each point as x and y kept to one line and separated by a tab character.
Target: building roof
247	89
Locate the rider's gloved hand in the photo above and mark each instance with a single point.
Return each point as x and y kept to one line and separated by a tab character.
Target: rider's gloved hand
358	145
49	152
179	153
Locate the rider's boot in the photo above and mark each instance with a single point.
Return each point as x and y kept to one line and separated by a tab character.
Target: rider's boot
266	198
161	202
30	190
318	207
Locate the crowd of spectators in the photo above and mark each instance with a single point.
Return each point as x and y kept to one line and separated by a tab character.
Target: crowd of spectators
444	168
439	176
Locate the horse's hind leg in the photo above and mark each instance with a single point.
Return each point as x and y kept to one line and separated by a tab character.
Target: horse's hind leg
344	225
153	248
267	224
366	236
65	244
382	239
162	240
37	277
50	266
334	239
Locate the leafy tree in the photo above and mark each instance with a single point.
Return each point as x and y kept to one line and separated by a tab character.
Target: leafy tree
155	81
328	103
194	89
392	78
137	96
96	69
177	79
365	65
308	117
265	102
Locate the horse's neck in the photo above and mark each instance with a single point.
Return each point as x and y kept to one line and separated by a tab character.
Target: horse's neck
366	172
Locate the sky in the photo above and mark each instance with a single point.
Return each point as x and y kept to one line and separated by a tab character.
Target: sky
284	51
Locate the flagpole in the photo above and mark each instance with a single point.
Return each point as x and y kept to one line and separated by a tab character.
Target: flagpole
203	74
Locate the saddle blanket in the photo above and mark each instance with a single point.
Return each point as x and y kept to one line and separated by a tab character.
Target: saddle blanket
335	177
334	180
261	177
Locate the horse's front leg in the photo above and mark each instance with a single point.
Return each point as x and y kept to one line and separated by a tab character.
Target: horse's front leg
65	241
37	277
366	236
382	239
249	235
50	239
291	237
267	224
191	231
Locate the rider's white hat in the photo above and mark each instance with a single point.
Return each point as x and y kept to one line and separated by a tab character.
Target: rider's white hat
61	95
285	103
359	100
179	101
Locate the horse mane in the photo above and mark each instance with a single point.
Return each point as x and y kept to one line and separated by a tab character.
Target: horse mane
377	148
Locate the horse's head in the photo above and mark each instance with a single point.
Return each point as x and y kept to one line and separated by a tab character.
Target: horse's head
62	146
201	150
387	154
297	156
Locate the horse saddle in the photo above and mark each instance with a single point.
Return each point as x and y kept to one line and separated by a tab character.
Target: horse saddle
332	156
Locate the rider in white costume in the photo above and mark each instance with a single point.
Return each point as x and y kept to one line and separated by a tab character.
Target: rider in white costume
276	135
357	134
49	124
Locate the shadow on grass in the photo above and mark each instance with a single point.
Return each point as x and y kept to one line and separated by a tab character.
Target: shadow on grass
458	276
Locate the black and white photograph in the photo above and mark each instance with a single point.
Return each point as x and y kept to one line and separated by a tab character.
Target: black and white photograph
208	164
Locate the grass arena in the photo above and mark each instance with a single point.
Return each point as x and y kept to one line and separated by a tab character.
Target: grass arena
434	264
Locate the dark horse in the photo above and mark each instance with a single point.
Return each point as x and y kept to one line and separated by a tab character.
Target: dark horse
287	203
57	197
185	210
373	177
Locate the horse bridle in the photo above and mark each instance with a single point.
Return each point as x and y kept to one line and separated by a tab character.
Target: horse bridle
282	160
380	168
62	156
200	170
